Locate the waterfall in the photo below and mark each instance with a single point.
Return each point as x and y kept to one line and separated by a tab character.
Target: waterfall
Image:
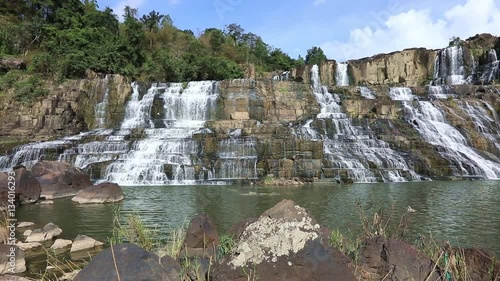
401	93
492	69
238	159
430	122
441	92
100	108
353	149
485	120
449	67
341	74
367	93
165	155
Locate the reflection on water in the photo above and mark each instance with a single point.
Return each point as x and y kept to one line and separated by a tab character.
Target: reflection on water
465	213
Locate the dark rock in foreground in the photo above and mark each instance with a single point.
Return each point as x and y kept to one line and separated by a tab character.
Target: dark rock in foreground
59	179
27	187
132	264
9	264
284	243
201	239
390	259
101	193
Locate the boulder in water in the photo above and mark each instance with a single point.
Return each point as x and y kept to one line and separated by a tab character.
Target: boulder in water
48	232
101	193
59	179
83	242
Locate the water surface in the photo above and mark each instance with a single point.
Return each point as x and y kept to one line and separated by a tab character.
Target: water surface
466	213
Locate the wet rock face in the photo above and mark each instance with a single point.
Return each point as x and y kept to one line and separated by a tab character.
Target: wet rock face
284	243
59	179
396	260
132	263
68	110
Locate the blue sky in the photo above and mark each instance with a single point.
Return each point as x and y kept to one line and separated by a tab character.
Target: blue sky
344	29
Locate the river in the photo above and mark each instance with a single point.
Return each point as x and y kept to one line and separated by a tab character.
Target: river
466	213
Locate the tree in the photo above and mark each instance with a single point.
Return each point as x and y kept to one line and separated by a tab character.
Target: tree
454	41
235	31
152	20
315	55
279	61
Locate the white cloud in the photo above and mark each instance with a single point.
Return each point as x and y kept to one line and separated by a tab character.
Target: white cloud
318	2
417	28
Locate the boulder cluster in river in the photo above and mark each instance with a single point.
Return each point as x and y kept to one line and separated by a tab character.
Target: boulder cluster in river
50	180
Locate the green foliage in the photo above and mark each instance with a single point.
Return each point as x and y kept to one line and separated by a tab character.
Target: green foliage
226	245
133	231
455	41
65	39
25	88
315	55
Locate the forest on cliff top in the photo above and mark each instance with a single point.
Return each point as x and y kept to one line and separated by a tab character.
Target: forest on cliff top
65	39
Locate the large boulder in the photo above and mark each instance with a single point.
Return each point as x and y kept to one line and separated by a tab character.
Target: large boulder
59	179
28	188
11	259
48	232
390	259
284	243
201	239
101	193
129	262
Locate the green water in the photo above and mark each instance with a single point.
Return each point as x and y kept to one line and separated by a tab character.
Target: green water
466	213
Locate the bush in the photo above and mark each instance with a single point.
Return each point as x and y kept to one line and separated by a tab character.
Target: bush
26	88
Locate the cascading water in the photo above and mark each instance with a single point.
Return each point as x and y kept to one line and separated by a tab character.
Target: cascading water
341	75
401	93
492	69
430	122
238	159
100	108
441	92
353	149
449	67
485	120
165	155
367	93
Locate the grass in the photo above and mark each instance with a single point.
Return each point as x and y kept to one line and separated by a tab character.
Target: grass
226	245
60	266
133	231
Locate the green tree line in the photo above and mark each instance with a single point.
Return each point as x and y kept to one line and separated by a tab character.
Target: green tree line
64	39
